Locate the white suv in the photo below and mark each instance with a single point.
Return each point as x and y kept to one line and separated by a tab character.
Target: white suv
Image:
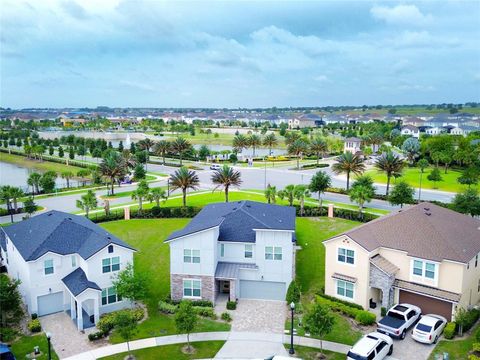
373	346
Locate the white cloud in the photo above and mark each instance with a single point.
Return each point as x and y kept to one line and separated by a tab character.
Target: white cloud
400	15
321	78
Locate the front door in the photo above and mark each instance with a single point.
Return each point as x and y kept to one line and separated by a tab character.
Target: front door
225	289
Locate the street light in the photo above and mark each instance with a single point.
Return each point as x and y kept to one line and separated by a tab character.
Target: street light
291	351
49	336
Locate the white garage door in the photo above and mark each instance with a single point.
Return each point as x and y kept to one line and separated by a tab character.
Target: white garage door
49	304
266	290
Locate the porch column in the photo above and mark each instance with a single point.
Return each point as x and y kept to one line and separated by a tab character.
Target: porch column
96	309
232	294
72	307
79	316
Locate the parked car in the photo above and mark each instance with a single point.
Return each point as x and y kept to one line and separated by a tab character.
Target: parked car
5	352
429	328
215	167
373	346
398	320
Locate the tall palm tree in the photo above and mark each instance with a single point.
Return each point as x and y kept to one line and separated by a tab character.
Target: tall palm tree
254	141
67	175
361	194
145	144
240	142
391	164
319	147
226	177
87	202
34	181
320	182
184	179
15	194
270	140
113	168
297	148
288	193
141	193
161	148
349	163
180	146
291	137
270	194
300	193
129	159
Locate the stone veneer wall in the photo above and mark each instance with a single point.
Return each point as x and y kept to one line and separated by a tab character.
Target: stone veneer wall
208	286
232	294
384	282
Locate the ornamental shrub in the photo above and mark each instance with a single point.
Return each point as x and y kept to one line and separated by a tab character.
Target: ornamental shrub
205	311
95	336
167	308
365	317
226	317
231	305
293	293
450	330
34	326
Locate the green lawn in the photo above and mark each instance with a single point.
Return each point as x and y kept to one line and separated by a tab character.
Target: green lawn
42	166
153	260
308	353
24	346
203	350
126	193
457	349
412	176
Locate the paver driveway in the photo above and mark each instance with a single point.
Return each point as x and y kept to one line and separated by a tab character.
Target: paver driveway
259	316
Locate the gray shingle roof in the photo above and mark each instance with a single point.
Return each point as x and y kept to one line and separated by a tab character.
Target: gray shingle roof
77	282
238	219
61	233
226	270
3	241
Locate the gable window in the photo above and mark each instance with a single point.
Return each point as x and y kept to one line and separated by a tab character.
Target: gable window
345	289
273	253
346	256
109	296
48	267
110	249
192	288
74	261
424	269
248	251
222	250
191	256
111	264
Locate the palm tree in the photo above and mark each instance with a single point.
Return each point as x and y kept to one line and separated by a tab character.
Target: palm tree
319	147
5	196
422	164
301	192
157	194
361	194
129	159
184	179
34	181
180	146
113	167
271	193
297	148
141	193
349	163
270	141
87	202
240	142
15	193
391	165
83	174
226	177
288	193
67	175
145	144
161	148
254	141
291	137
320	182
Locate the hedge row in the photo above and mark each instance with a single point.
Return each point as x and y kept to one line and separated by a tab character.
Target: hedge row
152	213
361	316
311	211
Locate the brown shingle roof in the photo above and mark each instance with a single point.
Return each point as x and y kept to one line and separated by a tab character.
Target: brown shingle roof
426	231
383	264
427	290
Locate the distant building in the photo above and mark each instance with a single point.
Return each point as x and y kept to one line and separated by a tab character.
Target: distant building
434	130
304	121
410	130
352	145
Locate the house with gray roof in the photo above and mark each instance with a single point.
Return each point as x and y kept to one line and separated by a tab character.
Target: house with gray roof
65	263
242	249
425	255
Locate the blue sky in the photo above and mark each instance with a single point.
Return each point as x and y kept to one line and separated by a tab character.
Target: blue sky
238	54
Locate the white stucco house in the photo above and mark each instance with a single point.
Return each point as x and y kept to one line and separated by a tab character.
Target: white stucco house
435	131
410	130
352	145
65	263
244	249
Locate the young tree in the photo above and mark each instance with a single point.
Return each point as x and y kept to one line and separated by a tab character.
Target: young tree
226	177
320	182
391	164
435	176
60	152
301	192
270	194
141	194
184	179
47	182
11	310
402	194
67	175
34	181
203	152
51	150
83	174
157	194
288	193
126	325
467	202
361	194
87	202
131	284
349	163
293	293
139	172
470	176
71	153
319	321
186	319
422	164
29	206
298	148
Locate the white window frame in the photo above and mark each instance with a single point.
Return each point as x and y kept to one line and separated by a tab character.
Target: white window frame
250	251
105	292
276	253
111	264
192	288
423	277
222	250
49	267
190	256
347	249
337	282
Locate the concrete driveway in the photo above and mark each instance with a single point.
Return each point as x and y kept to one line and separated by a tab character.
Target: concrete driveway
409	349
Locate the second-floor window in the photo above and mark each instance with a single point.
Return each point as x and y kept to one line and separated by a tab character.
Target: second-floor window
248	251
222	250
424	268
346	256
48	267
273	253
191	256
111	264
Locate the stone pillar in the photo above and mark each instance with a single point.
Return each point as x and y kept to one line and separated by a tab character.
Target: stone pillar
330	210
96	310
72	307
232	294
79	316
126	211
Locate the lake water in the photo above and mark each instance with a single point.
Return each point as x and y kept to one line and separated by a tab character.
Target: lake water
15	175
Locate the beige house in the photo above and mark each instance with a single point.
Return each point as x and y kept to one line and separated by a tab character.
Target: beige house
425	255
352	145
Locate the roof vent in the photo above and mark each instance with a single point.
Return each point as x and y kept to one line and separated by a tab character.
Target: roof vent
69	218
50	214
248	205
234	208
426	209
428	213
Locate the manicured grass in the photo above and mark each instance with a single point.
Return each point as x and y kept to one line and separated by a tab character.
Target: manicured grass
412	176
24	346
203	350
153	260
126	193
457	349
309	353
42	166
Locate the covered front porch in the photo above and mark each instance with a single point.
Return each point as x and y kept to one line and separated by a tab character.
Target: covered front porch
382	277
226	278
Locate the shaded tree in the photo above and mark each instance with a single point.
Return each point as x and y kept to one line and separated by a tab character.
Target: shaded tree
186	320
391	164
113	168
467	202
401	194
319	147
435	176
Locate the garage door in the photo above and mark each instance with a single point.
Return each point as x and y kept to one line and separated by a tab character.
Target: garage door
427	304
266	290
49	304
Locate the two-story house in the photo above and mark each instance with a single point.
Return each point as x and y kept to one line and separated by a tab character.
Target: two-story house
352	145
244	249
65	263
410	130
425	255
